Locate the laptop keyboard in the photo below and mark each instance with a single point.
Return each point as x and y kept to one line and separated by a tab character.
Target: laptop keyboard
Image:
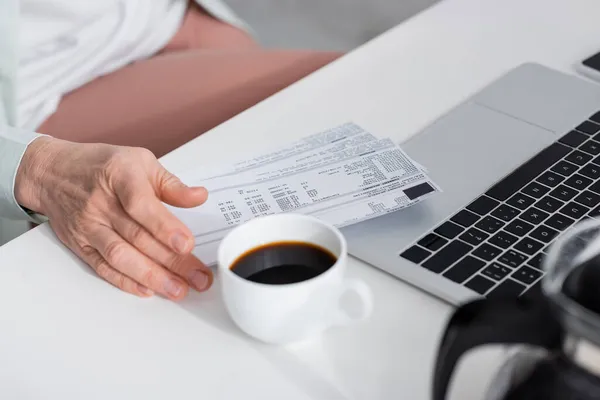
496	244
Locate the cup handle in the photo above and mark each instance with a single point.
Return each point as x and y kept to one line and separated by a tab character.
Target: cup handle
359	310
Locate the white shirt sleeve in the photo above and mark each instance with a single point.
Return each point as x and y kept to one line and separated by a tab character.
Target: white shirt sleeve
13	143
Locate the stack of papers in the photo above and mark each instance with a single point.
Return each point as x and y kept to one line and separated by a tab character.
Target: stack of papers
343	176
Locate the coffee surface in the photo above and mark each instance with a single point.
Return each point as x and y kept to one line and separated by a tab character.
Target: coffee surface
283	263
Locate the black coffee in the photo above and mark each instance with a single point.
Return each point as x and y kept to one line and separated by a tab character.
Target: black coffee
283	263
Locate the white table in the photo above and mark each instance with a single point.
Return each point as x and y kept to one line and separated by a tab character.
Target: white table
64	334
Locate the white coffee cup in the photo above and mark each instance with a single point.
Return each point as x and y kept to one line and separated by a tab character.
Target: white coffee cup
287	313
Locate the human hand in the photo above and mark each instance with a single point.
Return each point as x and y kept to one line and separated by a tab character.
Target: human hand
105	203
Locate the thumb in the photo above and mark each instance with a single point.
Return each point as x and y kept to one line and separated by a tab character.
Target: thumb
172	191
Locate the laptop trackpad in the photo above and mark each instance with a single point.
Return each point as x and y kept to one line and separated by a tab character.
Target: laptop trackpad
466	152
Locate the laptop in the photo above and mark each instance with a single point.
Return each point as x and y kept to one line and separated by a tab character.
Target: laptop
519	163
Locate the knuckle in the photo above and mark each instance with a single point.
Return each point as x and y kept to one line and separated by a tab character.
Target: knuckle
122	282
88	251
115	252
136	233
170	180
173	263
176	263
119	169
115	162
85	232
147	278
135	204
144	154
102	269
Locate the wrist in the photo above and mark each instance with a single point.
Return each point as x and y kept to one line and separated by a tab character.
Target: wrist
32	172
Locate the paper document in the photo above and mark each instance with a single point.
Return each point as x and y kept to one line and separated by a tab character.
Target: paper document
343	176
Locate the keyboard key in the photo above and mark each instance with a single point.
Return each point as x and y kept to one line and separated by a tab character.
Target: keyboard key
519	227
447	256
496	271
595	117
534	215
512	258
595	187
564	193
520	201
564	168
536	261
432	242
503	239
573	138
474	236
574	210
507	289
559	221
449	230
483	205
505	212
579	158
536	190
592	147
464	269
415	254
578	182
528	246
595	213
589	199
549	204
465	218
489	224
526	275
544	234
487	252
528	171
592	171
479	284
588	127
551	179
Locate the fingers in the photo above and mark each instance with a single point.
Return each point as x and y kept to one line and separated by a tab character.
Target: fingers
140	202
167	187
190	268
174	192
124	258
111	275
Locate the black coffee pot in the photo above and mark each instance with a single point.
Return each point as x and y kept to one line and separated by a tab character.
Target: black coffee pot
556	329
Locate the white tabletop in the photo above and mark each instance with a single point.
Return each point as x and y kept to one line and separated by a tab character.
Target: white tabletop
64	334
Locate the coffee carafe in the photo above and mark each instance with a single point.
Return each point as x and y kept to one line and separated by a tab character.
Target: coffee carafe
554	333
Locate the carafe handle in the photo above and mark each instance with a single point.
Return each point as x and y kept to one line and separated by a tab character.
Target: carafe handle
493	321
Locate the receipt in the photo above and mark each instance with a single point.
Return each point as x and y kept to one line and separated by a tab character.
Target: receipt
343	176
317	145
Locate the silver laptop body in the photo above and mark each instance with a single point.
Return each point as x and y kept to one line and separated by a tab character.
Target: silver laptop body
467	151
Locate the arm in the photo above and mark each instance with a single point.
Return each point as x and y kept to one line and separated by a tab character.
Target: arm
104	202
